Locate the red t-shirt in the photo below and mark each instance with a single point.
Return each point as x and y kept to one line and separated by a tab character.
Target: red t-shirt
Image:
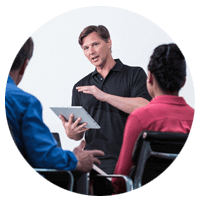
164	113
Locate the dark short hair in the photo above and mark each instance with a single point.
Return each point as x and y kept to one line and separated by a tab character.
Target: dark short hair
24	53
101	30
168	65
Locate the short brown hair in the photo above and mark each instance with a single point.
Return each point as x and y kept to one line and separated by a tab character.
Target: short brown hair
101	30
24	53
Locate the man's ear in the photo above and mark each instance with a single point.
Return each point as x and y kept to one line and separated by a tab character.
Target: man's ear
22	69
109	43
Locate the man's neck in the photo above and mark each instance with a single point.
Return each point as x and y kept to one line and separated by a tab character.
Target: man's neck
13	75
104	70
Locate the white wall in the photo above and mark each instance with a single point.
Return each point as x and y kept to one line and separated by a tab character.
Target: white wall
58	61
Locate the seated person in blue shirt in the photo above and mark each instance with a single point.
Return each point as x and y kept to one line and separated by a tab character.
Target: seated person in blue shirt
32	137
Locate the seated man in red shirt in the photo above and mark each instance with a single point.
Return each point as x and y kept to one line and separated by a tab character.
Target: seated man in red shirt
167	112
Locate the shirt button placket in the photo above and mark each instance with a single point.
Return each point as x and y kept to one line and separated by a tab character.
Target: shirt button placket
101	82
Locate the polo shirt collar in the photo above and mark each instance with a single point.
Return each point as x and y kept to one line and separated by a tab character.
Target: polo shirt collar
168	99
117	67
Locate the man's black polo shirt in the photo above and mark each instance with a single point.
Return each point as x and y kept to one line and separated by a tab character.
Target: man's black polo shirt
121	81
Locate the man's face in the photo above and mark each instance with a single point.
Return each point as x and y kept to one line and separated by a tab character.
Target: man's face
96	49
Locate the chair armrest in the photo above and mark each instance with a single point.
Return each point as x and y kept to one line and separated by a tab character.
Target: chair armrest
170	156
49	170
128	180
44	172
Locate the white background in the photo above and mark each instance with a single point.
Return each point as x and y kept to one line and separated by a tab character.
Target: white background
58	61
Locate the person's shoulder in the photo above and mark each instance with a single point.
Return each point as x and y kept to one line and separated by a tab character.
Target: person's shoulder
141	112
84	80
20	102
190	110
132	68
134	72
20	95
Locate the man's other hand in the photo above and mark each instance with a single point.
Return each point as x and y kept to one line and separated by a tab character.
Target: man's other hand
86	158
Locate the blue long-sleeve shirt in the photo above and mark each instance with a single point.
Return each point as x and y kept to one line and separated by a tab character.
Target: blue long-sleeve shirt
32	137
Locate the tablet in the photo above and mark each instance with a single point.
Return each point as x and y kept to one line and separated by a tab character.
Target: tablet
77	111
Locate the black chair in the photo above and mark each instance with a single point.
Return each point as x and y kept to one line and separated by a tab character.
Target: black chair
57	138
153	153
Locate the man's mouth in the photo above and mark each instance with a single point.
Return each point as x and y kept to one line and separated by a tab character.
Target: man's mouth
95	58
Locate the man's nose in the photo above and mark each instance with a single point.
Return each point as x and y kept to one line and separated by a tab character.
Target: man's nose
91	51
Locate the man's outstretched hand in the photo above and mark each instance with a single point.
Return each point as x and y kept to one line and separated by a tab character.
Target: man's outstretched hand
86	158
93	90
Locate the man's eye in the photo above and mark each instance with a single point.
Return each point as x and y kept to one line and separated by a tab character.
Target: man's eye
85	48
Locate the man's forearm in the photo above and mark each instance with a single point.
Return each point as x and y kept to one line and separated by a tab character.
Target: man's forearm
126	104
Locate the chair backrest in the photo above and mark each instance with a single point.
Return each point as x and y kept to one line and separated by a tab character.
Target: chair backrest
153	153
57	138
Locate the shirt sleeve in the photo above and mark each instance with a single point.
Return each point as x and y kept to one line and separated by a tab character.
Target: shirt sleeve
40	146
132	130
75	97
140	88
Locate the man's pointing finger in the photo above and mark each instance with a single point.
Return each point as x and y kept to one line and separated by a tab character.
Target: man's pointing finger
97	153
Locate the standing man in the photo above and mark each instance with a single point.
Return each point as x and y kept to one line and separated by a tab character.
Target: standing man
108	94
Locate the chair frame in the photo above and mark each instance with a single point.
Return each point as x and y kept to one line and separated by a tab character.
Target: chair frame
142	151
44	172
128	180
